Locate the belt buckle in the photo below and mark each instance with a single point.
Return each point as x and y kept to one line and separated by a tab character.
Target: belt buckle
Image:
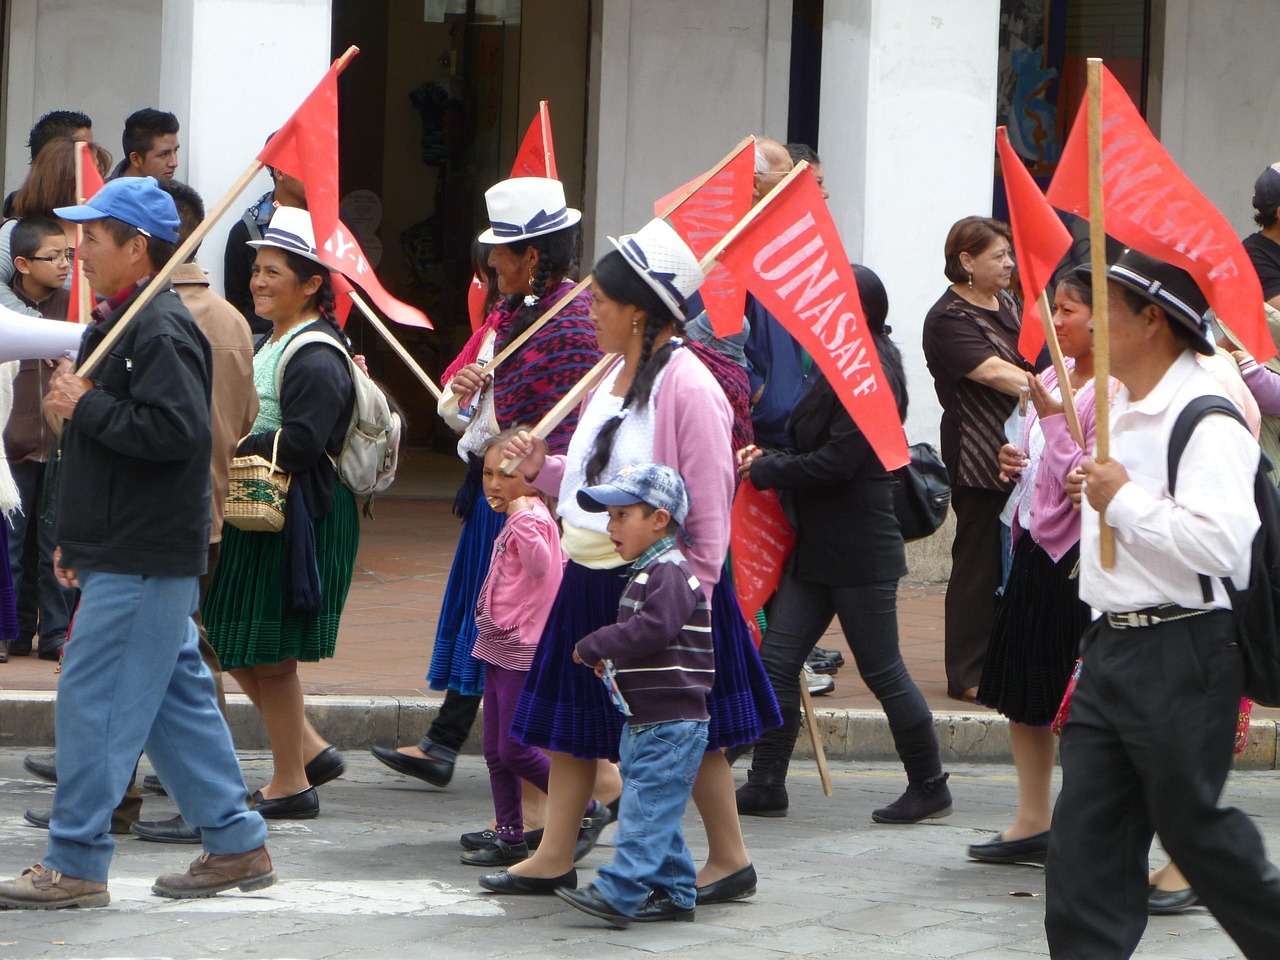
1128	620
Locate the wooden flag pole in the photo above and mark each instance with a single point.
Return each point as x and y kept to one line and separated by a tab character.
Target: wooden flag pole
556	414
84	304
548	150
183	252
1060	368
395	344
1101	324
564	301
815	737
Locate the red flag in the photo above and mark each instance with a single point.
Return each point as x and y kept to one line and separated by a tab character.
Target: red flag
1151	205
789	255
760	539
344	256
88	183
342	290
90	178
1039	238
306	147
477	293
537	154
701	218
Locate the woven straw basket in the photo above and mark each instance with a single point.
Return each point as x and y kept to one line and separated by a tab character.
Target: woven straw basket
257	492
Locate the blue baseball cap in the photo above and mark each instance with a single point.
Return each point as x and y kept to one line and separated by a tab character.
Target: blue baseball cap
653	483
137	201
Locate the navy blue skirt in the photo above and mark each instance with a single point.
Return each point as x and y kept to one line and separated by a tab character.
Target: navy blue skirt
564	705
452	665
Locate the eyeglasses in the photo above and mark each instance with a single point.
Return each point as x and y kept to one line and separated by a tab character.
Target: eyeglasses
66	256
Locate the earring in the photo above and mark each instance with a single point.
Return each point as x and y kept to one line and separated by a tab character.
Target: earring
971	282
635	328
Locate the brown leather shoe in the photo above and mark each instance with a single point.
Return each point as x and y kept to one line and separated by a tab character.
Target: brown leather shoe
214	872
40	888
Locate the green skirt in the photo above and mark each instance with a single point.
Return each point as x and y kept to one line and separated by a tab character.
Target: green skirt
244	609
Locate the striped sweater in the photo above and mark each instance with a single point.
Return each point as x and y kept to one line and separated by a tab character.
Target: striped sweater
661	645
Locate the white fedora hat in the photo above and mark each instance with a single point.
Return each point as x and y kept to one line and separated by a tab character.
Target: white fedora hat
290	229
664	261
526	207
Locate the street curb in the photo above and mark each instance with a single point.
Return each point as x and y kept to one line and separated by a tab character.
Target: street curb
352	723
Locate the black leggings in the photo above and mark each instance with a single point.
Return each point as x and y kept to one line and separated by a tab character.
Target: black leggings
868	614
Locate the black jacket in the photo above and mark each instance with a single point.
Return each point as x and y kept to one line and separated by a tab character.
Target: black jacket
836	495
133	476
316	400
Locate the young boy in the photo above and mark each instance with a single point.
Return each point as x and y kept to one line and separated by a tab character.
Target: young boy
660	655
39	249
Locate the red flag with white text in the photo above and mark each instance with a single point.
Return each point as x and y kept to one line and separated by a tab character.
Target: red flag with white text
790	257
1149	204
345	256
1040	241
702	218
760	540
537	154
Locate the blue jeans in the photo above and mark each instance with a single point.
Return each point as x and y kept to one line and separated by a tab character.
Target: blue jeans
133	679
659	764
43	603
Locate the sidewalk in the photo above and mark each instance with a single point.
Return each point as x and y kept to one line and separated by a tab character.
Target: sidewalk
388	627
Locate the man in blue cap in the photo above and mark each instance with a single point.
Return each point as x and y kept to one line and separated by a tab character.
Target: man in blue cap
133	534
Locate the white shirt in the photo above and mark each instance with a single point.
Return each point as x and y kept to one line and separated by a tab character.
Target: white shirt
1162	544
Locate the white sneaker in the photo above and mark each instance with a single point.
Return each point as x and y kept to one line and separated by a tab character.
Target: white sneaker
818	684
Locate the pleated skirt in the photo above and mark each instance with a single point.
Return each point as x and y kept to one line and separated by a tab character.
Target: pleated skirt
565	707
452	665
1036	634
8	596
244	610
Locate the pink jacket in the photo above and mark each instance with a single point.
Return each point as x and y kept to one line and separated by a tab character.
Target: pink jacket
692	435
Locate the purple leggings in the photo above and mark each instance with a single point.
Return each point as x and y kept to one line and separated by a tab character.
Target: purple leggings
509	760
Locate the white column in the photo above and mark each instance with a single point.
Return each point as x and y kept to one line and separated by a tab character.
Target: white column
907	140
233	71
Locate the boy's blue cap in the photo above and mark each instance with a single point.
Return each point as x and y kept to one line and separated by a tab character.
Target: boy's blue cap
653	483
138	201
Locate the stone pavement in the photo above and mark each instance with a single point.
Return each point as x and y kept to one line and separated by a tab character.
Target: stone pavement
377	875
373	690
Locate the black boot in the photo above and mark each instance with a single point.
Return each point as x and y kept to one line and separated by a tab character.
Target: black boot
762	795
927	796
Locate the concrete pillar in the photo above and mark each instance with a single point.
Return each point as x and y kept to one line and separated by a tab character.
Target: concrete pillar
907	140
233	71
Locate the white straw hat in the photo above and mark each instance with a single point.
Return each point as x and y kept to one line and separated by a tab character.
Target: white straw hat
526	207
290	229
664	261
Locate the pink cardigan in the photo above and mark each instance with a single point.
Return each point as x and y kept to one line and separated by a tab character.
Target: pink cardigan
692	435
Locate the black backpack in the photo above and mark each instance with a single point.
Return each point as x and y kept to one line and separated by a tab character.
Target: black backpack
1257	609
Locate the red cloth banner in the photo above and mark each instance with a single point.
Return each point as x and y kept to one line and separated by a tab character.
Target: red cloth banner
342	302
1040	240
790	257
345	256
705	216
760	540
537	154
90	183
1149	204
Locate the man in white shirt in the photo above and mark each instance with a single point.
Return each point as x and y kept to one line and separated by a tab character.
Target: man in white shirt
1148	744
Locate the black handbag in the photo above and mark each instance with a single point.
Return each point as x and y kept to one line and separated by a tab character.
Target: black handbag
921	493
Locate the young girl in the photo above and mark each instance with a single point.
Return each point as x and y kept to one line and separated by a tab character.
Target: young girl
524	575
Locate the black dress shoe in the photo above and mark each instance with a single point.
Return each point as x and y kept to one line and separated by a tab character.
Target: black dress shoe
173	830
303	805
999	850
659	907
39	818
151	783
42	765
50	653
325	766
510	883
436	769
497	853
588	900
479	839
1168	902
738	885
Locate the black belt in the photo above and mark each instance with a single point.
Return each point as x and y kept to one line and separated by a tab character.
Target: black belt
1152	616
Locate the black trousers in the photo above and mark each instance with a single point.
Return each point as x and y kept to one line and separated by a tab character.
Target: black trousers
454	721
976	573
1146	751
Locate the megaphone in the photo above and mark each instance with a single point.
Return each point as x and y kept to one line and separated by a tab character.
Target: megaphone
35	338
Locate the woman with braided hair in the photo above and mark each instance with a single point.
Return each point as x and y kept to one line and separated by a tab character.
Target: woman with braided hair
658	403
532	243
276	598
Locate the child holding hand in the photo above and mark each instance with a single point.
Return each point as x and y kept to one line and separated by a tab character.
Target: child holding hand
660	656
524	575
